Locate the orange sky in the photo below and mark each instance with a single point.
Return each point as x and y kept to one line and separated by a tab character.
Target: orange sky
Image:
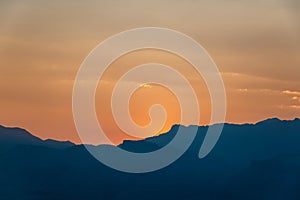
255	44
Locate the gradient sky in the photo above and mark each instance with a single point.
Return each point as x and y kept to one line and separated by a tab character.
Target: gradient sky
256	45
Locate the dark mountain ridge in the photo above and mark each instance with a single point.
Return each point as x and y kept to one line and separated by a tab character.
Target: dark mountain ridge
11	137
250	161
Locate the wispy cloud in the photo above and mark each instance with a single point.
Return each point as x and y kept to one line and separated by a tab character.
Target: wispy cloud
145	86
242	90
289	92
295	106
294	98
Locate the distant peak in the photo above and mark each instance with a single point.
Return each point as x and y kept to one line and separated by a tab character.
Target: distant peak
271	120
275	120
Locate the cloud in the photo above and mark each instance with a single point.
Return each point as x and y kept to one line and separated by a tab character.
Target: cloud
145	86
289	92
295	106
242	90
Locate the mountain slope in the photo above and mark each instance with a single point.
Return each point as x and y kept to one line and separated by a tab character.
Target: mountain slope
12	137
260	161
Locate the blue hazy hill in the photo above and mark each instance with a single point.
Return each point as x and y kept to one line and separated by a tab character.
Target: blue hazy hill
250	161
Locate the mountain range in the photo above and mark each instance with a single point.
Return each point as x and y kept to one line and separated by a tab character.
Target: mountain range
250	161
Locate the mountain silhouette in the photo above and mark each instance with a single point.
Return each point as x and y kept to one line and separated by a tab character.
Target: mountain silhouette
250	161
12	137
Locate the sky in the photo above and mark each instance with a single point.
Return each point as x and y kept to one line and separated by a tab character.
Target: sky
255	44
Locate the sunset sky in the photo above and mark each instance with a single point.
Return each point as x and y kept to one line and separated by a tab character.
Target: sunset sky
255	44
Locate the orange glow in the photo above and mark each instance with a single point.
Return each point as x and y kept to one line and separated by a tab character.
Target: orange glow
43	43
145	97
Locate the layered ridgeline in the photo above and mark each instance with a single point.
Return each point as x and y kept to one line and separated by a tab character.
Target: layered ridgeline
260	161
